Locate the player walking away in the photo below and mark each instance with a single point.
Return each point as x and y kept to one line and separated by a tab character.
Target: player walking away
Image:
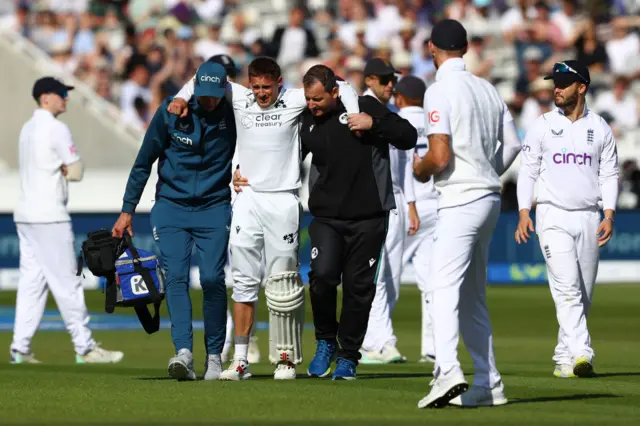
379	345
192	207
466	118
571	153
422	202
350	198
266	215
48	160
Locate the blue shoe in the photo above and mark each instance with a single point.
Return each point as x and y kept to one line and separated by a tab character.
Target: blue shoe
320	365
345	370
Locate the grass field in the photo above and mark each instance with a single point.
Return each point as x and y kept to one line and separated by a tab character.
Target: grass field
138	391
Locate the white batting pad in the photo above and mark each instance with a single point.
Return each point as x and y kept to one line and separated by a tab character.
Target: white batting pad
284	294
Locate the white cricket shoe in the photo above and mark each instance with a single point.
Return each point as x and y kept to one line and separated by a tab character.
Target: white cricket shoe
97	355
238	370
181	366
213	367
477	396
424	359
564	371
387	355
20	358
253	356
444	389
285	370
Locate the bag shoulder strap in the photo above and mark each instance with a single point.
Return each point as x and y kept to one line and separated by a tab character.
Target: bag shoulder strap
151	324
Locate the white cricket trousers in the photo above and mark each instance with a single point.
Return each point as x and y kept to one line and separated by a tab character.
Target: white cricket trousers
569	243
267	221
417	248
459	258
380	327
48	262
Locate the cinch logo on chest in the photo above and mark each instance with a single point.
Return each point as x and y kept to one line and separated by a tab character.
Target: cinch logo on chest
184	139
565	157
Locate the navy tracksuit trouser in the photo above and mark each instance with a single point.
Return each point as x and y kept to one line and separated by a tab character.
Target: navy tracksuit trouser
176	229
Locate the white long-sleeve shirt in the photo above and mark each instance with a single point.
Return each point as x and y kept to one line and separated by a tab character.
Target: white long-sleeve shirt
268	141
45	145
574	163
469	110
414	190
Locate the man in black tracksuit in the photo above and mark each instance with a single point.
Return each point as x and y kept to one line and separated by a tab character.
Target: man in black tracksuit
350	199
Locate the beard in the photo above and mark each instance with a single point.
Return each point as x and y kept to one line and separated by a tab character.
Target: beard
567	101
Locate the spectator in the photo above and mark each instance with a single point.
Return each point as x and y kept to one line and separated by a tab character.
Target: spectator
620	103
623	46
210	46
135	86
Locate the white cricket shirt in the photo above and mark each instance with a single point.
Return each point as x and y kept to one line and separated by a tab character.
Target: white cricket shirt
414	190
268	145
397	159
574	163
45	145
469	110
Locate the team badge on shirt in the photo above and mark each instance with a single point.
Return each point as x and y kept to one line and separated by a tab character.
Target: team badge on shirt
344	119
590	136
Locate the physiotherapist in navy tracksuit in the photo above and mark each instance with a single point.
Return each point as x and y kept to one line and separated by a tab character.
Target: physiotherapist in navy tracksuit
192	207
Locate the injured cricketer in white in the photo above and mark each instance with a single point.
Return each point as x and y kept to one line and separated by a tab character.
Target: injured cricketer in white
285	298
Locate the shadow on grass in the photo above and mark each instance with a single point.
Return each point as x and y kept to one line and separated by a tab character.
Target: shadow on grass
305	377
598	375
562	398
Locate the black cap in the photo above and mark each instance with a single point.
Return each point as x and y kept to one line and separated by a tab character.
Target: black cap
49	85
227	62
412	87
379	66
449	34
568	72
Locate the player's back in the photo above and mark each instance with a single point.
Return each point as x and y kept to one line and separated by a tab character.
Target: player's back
43	190
268	139
416	116
476	118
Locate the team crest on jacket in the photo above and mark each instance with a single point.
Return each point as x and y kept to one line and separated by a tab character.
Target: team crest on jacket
343	118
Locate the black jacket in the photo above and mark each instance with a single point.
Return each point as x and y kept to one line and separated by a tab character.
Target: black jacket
350	176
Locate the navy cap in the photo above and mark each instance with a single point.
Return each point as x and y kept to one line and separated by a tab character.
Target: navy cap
211	80
449	34
568	72
379	66
411	87
49	85
227	62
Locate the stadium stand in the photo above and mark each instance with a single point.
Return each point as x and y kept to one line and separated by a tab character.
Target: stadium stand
132	53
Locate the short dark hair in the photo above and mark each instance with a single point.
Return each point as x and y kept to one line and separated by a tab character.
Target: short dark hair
264	66
322	74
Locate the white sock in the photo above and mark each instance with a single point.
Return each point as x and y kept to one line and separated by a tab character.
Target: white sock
241	351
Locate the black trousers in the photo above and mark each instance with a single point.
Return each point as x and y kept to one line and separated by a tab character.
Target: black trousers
351	250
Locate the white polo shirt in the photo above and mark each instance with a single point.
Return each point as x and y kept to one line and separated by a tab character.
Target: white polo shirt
574	163
469	110
45	145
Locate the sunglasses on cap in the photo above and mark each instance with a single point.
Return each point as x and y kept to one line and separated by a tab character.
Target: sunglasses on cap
561	67
385	79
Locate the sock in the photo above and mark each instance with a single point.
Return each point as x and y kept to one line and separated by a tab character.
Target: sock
242	347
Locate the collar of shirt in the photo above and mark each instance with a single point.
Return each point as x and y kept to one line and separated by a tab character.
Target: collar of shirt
369	92
452	64
41	112
412	109
585	112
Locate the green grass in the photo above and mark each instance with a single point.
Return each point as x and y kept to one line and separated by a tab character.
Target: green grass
137	391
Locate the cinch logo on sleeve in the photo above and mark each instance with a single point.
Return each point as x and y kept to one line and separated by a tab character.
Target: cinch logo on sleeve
184	140
210	78
565	157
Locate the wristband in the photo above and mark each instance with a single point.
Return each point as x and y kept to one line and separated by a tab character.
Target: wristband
610	218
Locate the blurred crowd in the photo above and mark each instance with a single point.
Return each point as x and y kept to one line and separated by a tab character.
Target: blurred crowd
134	53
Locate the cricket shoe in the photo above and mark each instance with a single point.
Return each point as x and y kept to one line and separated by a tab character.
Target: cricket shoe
387	355
478	396
238	370
213	367
285	368
21	358
253	356
97	355
583	367
444	389
564	371
345	369
425	359
320	365
181	366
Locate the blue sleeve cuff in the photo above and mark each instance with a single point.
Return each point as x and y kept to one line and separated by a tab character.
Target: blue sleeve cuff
128	207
